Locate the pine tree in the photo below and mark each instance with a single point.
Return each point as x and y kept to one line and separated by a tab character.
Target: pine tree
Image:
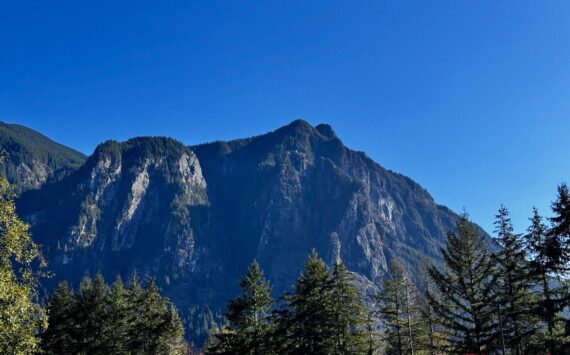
349	318
61	337
304	326
559	233
467	306
21	318
112	320
248	317
92	315
155	325
429	336
543	248
514	294
399	312
560	230
116	327
135	300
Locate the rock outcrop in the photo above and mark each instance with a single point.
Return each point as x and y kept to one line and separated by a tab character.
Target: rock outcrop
195	217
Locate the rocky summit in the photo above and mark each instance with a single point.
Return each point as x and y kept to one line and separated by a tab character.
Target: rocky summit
195	217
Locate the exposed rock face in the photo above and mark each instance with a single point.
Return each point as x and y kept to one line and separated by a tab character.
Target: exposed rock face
126	209
34	159
195	217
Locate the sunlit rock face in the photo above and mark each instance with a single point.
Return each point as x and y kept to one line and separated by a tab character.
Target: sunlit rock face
195	217
126	210
32	159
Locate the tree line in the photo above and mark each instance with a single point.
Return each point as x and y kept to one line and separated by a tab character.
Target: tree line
510	295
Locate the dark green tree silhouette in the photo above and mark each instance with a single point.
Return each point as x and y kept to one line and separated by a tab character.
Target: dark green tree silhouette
467	305
248	317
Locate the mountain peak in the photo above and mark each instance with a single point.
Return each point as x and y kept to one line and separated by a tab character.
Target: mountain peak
300	126
326	130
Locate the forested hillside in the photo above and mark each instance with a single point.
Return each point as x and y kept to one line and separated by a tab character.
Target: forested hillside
32	158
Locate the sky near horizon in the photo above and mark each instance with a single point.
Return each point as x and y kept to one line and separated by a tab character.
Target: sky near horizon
469	98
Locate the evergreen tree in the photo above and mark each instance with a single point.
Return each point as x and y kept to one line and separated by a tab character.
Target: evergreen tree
559	234
399	312
135	299
543	248
248	317
112	320
20	318
324	314
155	322
467	306
116	326
92	315
560	230
349	316
61	335
304	326
514	295
429	336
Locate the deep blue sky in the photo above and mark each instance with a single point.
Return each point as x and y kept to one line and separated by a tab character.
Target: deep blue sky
469	98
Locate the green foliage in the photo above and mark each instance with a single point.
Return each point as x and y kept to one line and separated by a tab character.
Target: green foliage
400	312
20	318
103	319
306	324
559	234
514	288
466	305
549	255
248	318
324	315
27	146
199	321
349	314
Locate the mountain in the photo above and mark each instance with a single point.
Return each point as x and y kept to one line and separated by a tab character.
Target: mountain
33	158
195	217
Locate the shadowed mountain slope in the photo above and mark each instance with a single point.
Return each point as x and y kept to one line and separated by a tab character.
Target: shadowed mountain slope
195	217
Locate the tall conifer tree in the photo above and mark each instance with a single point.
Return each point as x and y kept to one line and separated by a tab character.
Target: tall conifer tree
398	312
349	316
304	326
514	294
467	305
543	251
248	318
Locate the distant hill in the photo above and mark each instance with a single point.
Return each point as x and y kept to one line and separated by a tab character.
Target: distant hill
195	217
33	158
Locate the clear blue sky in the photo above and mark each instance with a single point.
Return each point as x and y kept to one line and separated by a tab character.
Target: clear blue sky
469	98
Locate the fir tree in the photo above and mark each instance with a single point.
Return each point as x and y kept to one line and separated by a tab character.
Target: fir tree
559	233
304	326
156	322
61	335
116	326
248	317
544	269
514	294
467	306
429	336
92	315
348	314
112	320
399	312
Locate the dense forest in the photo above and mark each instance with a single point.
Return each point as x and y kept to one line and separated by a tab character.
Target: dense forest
509	295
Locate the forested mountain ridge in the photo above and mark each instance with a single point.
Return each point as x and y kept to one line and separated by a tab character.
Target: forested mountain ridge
33	158
195	217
